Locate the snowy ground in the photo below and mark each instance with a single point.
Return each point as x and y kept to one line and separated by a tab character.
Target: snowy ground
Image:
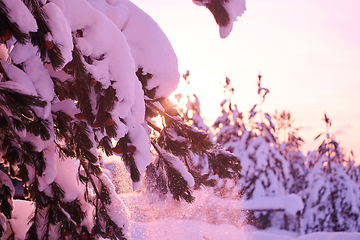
160	227
193	230
153	218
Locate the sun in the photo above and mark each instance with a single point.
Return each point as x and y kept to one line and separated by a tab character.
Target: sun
181	94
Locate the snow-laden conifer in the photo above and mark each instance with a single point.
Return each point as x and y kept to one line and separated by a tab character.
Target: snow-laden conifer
288	144
265	171
332	196
83	77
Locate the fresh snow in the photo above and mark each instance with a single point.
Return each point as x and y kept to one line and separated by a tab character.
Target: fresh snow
21	53
235	9
20	81
61	32
179	166
120	38
43	84
289	204
117	210
151	50
21	215
179	229
20	14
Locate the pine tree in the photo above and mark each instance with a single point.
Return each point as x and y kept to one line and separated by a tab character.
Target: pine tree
352	170
75	86
288	144
265	171
56	108
331	198
229	125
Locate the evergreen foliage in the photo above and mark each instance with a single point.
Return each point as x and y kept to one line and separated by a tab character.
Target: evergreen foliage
331	198
65	100
288	144
273	165
265	170
179	142
60	133
71	90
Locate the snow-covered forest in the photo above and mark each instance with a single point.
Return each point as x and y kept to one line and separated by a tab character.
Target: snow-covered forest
94	147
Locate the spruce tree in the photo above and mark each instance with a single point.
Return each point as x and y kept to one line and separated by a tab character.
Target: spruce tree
331	198
288	144
265	171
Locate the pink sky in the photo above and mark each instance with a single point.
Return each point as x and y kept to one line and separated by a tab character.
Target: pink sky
307	51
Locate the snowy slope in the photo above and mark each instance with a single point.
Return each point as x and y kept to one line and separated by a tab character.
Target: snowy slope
168	229
181	229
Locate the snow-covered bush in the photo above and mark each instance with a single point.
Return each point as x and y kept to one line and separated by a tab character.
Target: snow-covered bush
332	197
265	171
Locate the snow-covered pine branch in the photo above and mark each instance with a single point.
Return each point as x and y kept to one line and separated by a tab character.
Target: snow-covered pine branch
225	12
83	77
